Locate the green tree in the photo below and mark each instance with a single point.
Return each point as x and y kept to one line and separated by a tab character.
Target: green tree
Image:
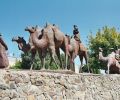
105	38
17	65
25	63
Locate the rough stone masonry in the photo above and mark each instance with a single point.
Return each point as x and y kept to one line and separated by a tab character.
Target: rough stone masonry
57	85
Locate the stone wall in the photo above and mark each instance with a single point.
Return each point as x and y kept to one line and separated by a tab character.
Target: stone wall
57	85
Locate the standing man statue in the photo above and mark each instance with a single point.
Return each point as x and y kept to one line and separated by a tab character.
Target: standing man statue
4	63
76	33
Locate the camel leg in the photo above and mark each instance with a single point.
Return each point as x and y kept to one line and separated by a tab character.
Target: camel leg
51	60
44	52
108	68
58	55
43	63
86	60
31	66
71	61
81	60
65	49
68	66
71	64
52	54
72	67
33	52
66	59
42	58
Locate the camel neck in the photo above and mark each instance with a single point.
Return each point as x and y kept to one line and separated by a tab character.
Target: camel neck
39	43
101	57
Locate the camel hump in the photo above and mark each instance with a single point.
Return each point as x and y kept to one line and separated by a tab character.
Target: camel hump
74	43
71	48
58	34
82	47
38	28
112	55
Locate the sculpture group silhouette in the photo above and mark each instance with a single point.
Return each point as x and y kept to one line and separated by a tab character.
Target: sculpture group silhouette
51	39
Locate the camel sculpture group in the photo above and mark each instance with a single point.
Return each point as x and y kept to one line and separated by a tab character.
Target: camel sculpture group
50	38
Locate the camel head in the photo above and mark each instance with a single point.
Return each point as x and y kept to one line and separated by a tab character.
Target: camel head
18	39
100	49
35	29
30	29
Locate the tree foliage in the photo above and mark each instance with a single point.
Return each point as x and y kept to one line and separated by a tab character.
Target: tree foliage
17	65
105	38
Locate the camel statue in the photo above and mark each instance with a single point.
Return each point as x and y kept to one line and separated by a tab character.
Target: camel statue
41	43
57	40
83	53
53	39
75	48
112	64
23	46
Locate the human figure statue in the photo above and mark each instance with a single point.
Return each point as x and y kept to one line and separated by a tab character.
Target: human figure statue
4	63
76	33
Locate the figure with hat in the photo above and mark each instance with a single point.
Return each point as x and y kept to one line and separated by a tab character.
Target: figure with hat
76	33
4	63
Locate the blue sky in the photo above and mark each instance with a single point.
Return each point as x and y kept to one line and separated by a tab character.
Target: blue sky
89	15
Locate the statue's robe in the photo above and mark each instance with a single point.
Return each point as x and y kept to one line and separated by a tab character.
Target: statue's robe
3	56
